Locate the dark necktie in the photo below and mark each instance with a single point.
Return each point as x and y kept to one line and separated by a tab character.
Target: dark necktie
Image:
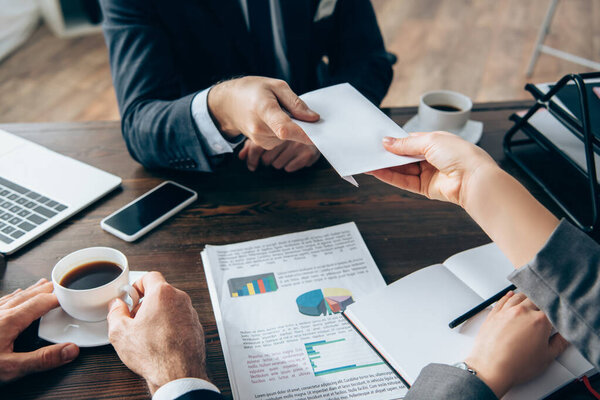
259	15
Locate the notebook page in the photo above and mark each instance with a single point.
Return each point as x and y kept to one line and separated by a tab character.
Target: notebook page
414	332
572	360
484	269
555	377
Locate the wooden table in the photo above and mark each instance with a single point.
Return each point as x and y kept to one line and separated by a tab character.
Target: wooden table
404	232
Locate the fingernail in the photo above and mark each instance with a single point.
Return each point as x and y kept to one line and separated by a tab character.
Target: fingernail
69	352
388	140
312	113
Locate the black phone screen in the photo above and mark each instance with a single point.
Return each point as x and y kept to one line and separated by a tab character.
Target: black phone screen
149	208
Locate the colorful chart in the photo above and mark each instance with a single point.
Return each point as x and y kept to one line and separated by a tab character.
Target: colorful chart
324	301
330	356
251	285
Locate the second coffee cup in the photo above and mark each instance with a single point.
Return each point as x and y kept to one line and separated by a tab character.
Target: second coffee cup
444	110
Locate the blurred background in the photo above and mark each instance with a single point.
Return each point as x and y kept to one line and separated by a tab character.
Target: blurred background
54	63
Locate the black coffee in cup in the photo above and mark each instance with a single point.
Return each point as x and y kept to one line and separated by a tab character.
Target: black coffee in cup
91	275
445	107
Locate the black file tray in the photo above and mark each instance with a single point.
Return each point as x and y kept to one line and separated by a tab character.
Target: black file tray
582	129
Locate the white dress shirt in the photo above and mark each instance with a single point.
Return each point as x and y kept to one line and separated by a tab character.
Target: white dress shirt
218	144
179	387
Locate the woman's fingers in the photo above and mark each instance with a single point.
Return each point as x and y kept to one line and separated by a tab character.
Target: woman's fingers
412	183
500	303
408	146
516	299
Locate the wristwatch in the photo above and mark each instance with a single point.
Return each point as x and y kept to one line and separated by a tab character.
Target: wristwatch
463	365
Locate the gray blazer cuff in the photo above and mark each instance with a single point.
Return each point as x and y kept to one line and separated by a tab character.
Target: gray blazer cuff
444	382
563	280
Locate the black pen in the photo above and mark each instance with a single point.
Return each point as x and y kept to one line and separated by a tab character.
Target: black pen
477	309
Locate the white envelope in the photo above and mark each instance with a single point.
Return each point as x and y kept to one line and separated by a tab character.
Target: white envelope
350	131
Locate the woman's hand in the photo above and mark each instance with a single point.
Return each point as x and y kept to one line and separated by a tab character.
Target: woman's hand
450	163
514	344
457	171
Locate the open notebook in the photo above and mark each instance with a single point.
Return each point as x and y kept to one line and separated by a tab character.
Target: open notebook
407	322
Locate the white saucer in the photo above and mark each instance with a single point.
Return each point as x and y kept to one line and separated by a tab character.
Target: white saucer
471	132
58	327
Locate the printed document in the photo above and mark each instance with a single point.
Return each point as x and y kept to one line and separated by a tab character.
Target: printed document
350	131
278	304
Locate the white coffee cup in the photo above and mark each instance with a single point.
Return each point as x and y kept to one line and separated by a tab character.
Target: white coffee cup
91	305
432	119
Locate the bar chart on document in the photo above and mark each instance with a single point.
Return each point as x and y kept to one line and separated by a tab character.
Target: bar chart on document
252	285
338	355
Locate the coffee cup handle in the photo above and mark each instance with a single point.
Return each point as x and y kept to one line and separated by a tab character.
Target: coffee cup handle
133	294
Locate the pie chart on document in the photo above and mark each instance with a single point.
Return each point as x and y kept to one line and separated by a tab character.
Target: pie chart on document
324	301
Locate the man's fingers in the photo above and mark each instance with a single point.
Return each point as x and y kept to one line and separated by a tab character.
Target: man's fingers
32	309
44	359
5	298
42	286
305	159
148	281
117	310
269	156
254	153
118	316
285	157
557	345
282	125
299	162
244	152
294	104
261	131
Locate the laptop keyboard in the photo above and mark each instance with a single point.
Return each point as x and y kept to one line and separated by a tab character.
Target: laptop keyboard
21	210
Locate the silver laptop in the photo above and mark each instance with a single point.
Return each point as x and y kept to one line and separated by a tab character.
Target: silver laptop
40	188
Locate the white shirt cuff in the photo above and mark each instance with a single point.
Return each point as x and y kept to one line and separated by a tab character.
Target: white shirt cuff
216	143
179	387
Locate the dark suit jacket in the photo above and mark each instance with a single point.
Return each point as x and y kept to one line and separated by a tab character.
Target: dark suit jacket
162	52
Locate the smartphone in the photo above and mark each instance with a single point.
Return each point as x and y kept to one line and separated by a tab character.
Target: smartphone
148	211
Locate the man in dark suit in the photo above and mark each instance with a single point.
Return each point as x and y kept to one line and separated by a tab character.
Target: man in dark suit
177	65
